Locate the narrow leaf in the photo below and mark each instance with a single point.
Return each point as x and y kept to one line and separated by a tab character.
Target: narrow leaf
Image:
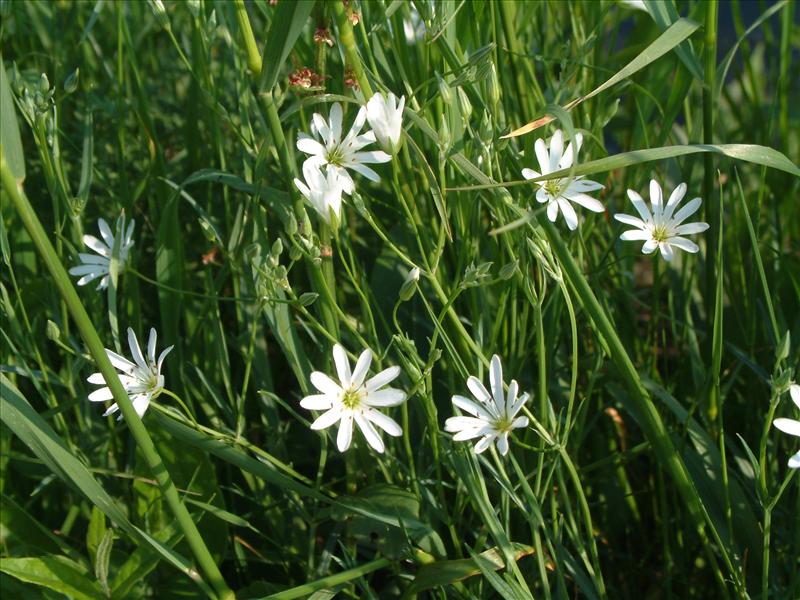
288	22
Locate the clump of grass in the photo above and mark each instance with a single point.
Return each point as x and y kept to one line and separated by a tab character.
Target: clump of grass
422	361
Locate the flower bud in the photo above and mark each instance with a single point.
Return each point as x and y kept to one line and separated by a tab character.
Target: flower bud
493	87
464	105
53	331
71	82
409	287
160	12
444	90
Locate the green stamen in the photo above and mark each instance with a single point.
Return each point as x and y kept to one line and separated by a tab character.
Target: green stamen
351	398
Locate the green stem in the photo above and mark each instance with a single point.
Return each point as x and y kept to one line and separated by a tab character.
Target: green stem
712	214
253	55
97	350
348	40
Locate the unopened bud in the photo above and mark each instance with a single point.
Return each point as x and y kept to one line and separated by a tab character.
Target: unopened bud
464	105
71	82
308	298
160	12
445	90
409	287
493	87
53	331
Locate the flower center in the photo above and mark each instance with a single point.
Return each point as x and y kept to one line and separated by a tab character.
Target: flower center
660	233
335	156
554	187
351	398
503	424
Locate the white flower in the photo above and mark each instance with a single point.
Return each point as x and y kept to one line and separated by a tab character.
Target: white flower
494	416
142	380
327	148
353	399
558	193
324	192
95	266
661	229
791	426
385	116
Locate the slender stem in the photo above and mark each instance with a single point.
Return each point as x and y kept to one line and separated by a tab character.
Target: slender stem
712	214
765	554
348	40
97	350
253	55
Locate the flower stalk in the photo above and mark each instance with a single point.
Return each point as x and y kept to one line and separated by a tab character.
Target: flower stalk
348	40
96	349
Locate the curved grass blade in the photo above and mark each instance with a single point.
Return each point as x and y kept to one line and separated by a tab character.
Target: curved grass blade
34	431
759	155
288	22
10	142
668	40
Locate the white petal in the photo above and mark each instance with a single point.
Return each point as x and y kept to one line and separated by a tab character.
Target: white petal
640	206
516	408
93	259
325	384
511	397
382	378
552	211
690	228
373	156
96	270
586	185
683	244
519	422
635	234
502	443
655	198
120	362
478	390
96	245
794	392
327	419
794	461
471	407
542	156
342	364
385	397
568	157
687	211
136	352
162	356
310	146
362	367
366	172
105	232
96	379
454	424
151	346
111	410
321	127
101	395
483	444
373	439
335	117
496	382
556	150
345	435
674	199
388	424
140	403
529	173
569	213
649	246
789	426
316	402
666	251
630	220
585	200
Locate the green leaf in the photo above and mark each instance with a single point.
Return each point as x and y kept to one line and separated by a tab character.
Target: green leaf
87	161
10	143
21	533
36	433
677	32
665	15
444	572
57	573
169	271
759	155
287	23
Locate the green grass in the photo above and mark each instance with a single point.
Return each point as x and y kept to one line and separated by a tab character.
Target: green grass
649	467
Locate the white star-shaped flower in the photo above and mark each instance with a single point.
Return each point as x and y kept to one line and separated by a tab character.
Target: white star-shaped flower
353	399
791	426
97	265
385	116
327	147
662	229
324	192
560	193
141	379
494	415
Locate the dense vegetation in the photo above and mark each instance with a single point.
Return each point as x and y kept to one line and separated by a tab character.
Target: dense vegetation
643	462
